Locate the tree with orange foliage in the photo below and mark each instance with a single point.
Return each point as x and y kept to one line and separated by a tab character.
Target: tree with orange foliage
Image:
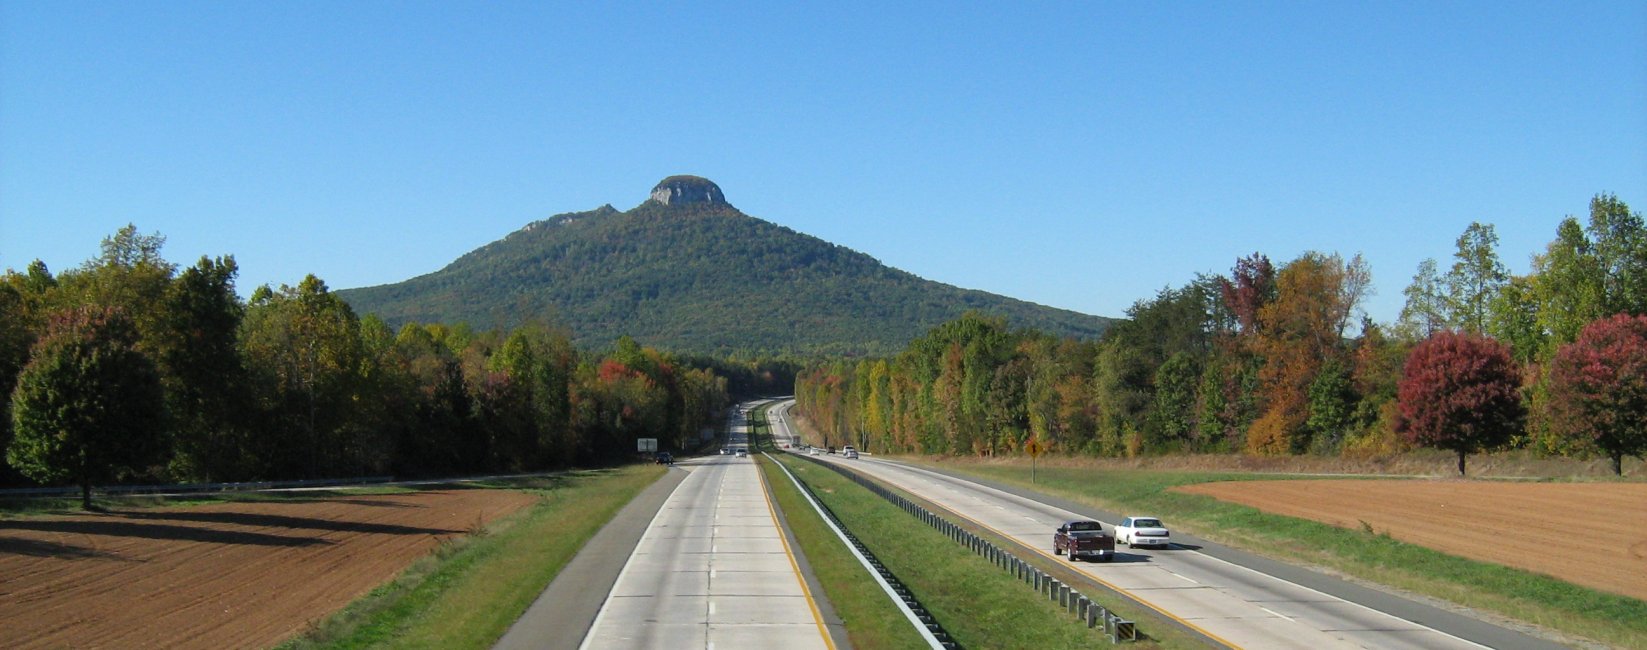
1298	332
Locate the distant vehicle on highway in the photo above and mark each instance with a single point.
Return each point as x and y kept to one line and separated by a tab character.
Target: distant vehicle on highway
664	458
1083	539
743	453
813	451
1143	531
849	452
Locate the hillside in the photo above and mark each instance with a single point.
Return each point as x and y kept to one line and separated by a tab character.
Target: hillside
686	271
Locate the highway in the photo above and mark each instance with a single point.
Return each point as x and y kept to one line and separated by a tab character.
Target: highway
713	570
1230	603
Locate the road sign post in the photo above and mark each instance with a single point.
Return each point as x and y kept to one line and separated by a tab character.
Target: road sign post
1034	447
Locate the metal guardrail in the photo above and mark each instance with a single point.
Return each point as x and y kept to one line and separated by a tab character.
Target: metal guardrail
191	488
1083	607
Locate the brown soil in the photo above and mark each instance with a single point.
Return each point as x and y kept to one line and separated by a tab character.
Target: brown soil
1592	534
228	575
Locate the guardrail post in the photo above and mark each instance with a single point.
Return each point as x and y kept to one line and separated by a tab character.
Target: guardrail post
1125	630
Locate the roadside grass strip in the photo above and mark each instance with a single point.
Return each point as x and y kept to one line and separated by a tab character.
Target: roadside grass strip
980	604
469	591
930	631
1515	594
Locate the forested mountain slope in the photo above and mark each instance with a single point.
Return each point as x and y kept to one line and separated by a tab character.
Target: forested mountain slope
686	271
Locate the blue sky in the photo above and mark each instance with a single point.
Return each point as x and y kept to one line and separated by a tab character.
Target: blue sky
1079	155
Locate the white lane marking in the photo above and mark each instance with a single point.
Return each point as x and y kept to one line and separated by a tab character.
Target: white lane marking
1186	578
1275	612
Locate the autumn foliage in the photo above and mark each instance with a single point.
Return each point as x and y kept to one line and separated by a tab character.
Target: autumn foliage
1599	387
1460	392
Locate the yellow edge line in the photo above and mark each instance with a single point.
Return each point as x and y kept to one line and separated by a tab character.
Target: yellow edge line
817	615
1134	597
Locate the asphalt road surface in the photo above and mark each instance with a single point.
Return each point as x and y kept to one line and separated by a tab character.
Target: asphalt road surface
1215	593
712	569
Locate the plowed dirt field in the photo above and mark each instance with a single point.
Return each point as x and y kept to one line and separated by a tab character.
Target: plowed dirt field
229	575
1592	534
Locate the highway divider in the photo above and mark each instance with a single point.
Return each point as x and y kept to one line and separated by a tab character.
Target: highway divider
1085	608
923	621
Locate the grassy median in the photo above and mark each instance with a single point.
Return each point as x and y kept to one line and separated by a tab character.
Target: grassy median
980	605
872	620
1613	619
467	593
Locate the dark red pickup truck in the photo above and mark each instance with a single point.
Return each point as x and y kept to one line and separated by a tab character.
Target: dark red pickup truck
1083	539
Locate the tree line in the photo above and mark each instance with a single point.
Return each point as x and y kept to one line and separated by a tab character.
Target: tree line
129	369
1263	360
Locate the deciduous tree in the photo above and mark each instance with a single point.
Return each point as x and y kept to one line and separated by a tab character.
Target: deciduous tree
205	380
1598	387
88	406
1425	311
1249	288
1475	278
1299	332
1460	392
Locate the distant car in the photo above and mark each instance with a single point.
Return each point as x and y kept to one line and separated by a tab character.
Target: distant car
664	458
743	453
1142	531
813	451
849	452
1083	539
725	451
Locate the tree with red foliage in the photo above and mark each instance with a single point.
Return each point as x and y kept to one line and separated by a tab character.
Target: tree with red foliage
1460	392
1250	287
1598	387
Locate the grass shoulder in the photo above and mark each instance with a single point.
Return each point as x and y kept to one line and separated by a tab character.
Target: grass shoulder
469	591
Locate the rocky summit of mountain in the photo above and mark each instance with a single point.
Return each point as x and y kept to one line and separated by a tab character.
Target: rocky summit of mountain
676	190
686	271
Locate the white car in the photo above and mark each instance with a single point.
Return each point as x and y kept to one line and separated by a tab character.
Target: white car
1142	531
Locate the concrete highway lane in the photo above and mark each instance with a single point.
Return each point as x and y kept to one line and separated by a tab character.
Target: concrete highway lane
1234	604
712	571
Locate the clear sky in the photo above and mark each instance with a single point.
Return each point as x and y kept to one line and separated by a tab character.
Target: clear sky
1080	155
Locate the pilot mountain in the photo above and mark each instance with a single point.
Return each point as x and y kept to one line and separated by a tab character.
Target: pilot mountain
686	271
